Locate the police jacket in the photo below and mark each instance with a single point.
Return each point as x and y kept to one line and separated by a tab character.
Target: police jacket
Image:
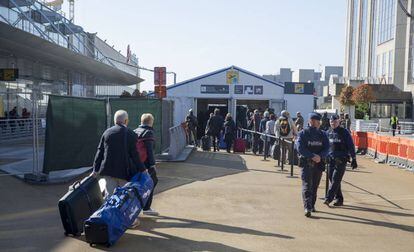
312	141
340	143
117	153
147	132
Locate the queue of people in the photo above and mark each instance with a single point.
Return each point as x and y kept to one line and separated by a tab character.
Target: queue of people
14	119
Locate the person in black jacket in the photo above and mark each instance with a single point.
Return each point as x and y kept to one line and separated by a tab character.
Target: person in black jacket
116	159
230	131
145	132
214	127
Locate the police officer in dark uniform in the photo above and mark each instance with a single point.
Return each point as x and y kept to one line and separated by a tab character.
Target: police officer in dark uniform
341	147
312	146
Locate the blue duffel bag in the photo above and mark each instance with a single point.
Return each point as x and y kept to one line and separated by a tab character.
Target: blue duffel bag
119	211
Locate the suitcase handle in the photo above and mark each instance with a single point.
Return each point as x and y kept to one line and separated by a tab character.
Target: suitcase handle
73	186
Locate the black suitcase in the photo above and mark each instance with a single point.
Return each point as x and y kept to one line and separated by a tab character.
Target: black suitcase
78	204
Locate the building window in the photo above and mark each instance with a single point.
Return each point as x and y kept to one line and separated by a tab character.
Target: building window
363	39
354	33
386	20
373	57
390	73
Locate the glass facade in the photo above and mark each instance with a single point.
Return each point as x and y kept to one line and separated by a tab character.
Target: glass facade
363	38
354	34
386	110
383	30
373	56
386	20
411	52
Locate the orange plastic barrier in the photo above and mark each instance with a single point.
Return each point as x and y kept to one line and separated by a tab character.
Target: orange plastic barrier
361	140
372	144
392	146
410	150
403	147
382	148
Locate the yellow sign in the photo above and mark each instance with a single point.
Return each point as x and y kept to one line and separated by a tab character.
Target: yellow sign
9	74
299	88
232	77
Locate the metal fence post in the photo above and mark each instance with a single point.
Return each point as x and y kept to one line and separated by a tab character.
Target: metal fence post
283	153
292	157
278	151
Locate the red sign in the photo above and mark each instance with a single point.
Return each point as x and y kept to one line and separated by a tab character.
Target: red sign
160	76
160	91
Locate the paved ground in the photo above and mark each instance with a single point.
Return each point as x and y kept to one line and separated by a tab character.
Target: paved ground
220	202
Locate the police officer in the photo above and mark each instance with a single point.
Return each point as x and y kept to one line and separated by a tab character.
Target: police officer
313	146
341	147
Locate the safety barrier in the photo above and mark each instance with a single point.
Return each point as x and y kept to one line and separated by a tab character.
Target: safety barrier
382	149
392	150
410	155
361	142
396	151
371	144
178	141
403	152
12	129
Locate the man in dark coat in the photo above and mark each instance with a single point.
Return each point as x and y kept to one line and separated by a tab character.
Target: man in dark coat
117	159
214	127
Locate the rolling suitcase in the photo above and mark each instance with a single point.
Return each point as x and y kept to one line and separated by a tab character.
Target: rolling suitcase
118	213
206	143
83	199
239	144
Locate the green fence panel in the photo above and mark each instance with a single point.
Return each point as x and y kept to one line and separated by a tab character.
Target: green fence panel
135	108
73	130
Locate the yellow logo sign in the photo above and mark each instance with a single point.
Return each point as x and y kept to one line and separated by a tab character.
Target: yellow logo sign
232	77
299	88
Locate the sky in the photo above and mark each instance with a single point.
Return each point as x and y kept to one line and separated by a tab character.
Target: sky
194	37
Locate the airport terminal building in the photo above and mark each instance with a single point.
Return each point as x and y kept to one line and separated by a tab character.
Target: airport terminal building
52	55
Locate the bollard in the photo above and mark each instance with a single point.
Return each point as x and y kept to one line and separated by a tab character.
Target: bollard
264	148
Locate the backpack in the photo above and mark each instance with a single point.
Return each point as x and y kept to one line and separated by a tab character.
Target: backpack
284	126
141	148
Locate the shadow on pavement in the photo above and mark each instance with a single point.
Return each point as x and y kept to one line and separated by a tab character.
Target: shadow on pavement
359	220
165	242
200	166
29	213
373	210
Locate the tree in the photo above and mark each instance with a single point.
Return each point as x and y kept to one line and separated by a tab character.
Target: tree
345	98
363	95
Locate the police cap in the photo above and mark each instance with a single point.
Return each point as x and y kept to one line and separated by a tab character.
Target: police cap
334	117
315	116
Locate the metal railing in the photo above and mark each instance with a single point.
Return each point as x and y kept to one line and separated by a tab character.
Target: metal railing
21	128
282	146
